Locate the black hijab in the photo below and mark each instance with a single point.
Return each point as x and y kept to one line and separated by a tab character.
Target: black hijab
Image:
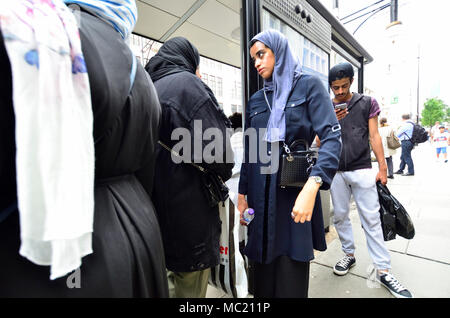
176	55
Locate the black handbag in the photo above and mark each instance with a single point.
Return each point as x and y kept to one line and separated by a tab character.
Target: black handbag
296	164
216	189
394	218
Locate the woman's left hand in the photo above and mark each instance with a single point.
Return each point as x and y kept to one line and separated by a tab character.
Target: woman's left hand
304	205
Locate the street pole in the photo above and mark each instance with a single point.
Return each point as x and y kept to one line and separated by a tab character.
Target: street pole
394	11
394	14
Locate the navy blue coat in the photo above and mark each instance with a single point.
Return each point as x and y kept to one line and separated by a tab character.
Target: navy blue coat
309	111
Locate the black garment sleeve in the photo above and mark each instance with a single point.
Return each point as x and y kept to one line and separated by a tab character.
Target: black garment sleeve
217	154
7	132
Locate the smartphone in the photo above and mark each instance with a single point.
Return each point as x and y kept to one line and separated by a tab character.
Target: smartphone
341	106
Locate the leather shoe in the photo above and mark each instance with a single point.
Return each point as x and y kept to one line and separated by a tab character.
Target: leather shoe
390	177
408	174
398	172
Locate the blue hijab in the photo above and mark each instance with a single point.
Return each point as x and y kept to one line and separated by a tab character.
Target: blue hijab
120	14
286	73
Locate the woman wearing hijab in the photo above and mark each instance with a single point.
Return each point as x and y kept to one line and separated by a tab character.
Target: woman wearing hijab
190	224
288	222
53	177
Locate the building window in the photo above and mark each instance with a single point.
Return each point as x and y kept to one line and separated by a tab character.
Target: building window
212	84
236	90
205	78
219	84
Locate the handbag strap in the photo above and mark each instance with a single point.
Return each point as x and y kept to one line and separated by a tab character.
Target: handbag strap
267	101
200	168
176	154
286	147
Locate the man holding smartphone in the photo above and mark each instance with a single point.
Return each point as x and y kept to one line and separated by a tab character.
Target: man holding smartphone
358	117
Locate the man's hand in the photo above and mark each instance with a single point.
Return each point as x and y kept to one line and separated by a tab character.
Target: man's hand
341	113
382	175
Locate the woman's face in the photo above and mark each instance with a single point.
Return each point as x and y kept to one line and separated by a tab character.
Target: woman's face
263	58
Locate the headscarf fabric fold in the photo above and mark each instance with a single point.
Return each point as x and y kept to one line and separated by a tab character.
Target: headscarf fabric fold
120	14
285	74
176	55
179	55
54	133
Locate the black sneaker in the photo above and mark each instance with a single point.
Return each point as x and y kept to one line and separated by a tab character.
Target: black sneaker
398	172
393	285
342	267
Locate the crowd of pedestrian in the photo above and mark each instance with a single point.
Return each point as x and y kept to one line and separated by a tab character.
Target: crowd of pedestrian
107	167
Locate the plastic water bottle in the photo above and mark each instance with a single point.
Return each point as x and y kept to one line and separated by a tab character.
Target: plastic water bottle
249	214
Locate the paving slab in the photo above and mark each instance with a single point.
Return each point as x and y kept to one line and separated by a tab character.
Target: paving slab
424	278
421	264
324	283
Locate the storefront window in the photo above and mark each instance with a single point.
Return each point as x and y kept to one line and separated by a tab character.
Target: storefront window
336	58
314	60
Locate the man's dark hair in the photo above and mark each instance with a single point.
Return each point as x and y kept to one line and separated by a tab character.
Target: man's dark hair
340	71
406	116
236	120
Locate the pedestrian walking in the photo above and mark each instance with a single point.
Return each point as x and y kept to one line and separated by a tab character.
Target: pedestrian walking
385	131
404	134
288	222
358	116
435	129
75	152
441	141
190	222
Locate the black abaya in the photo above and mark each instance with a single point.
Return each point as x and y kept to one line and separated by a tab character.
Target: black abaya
128	258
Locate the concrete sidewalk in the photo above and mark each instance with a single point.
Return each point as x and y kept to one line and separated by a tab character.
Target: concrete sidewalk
422	264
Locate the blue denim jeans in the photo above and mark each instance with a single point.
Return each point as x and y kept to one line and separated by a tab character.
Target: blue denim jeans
406	159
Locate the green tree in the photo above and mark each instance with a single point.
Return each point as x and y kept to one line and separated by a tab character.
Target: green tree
447	114
434	110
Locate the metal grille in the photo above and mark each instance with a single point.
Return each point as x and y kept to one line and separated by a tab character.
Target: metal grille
318	31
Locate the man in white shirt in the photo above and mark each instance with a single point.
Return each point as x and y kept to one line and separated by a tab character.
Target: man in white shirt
435	129
405	134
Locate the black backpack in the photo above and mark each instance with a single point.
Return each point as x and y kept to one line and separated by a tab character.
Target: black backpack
419	134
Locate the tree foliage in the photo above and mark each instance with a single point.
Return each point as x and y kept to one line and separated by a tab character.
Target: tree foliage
434	110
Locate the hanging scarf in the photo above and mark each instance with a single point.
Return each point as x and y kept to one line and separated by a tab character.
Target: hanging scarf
120	14
286	73
54	133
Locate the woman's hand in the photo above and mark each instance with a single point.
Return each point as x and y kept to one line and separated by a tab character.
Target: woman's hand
304	205
242	206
